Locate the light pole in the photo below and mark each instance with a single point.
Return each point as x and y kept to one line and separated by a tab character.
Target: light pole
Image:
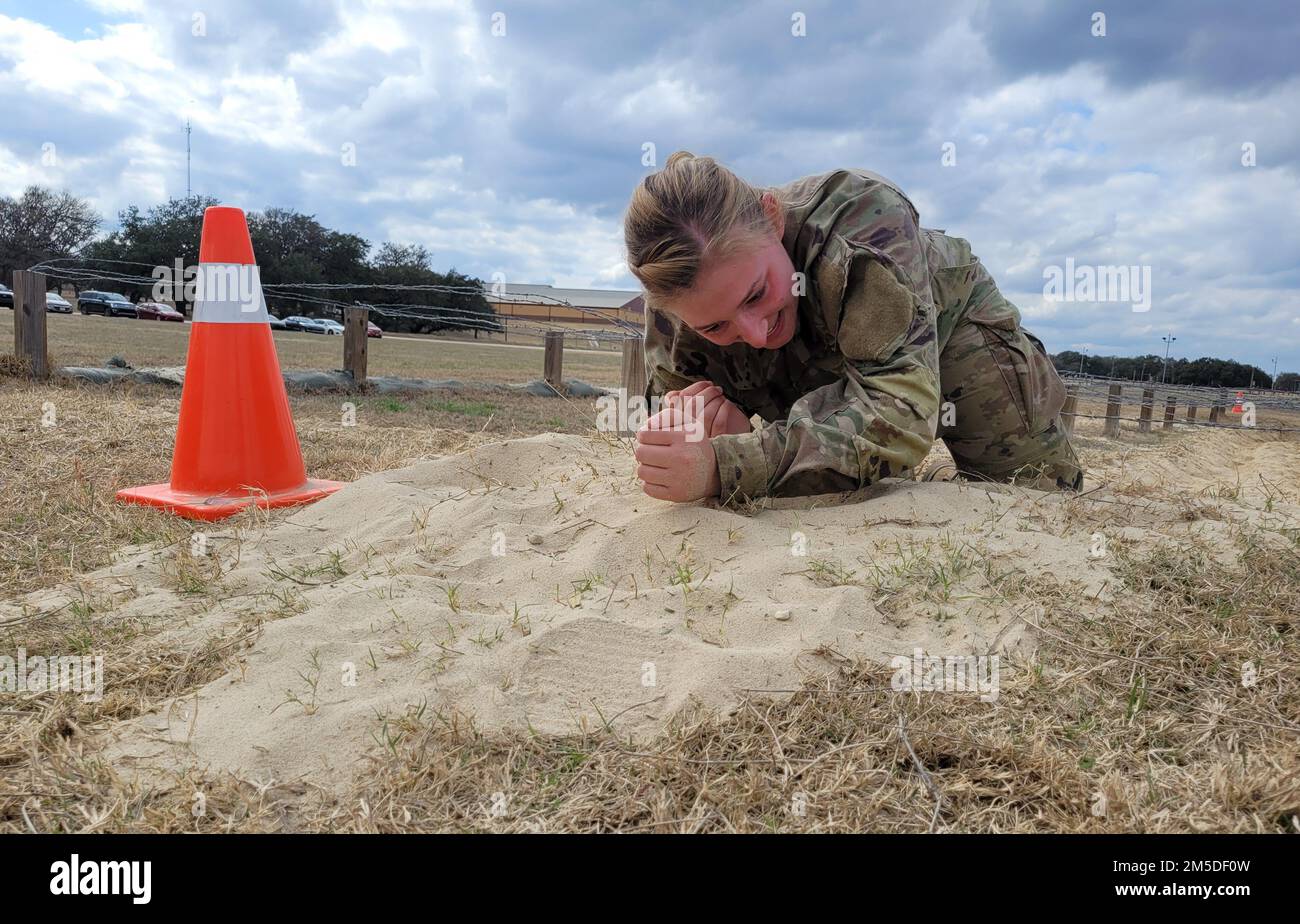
1083	354
1169	340
1274	385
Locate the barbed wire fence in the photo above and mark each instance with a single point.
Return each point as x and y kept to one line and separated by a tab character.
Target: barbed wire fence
1228	408
430	312
344	300
1095	385
315	294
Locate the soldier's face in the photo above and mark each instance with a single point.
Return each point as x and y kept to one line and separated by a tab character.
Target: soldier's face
748	298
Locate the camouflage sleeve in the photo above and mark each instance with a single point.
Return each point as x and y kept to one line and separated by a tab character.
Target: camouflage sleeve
871	284
666	369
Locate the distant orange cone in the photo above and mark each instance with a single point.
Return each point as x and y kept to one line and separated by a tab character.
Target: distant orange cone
235	442
1236	408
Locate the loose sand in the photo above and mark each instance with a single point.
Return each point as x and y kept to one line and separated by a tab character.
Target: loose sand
530	584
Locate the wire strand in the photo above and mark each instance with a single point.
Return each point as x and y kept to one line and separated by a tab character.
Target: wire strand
316	294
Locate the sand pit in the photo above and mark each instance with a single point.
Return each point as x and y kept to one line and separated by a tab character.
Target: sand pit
531	585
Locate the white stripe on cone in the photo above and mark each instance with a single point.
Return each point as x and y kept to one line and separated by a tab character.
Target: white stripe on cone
229	293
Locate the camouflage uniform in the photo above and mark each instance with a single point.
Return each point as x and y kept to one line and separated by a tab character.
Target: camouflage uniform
894	320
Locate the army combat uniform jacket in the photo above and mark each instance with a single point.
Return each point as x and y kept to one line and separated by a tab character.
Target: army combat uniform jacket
901	336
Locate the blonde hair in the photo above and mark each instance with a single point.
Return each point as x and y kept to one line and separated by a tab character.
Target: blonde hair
691	212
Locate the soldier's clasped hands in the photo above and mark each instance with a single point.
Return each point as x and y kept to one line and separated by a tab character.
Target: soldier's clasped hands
675	458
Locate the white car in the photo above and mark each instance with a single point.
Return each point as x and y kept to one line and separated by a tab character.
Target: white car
332	327
57	303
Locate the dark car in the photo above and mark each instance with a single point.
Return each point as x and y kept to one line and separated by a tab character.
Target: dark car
276	323
109	304
6	296
306	325
157	311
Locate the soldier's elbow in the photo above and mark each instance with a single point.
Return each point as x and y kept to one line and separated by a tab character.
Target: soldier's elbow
891	458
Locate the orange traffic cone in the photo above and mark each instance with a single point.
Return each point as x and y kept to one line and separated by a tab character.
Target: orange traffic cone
235	442
1236	408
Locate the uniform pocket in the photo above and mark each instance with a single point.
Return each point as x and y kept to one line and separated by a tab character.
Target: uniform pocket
951	288
951	285
1031	379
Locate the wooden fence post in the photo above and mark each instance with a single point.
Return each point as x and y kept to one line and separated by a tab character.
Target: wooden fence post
553	360
1068	409
29	323
1214	412
1112	411
355	342
1148	399
634	375
1171	403
1191	412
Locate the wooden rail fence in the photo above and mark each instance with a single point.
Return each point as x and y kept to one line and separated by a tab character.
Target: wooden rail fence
1119	396
32	352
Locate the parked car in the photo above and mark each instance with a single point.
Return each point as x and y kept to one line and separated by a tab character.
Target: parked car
109	304
332	327
53	301
57	303
373	330
307	325
157	311
276	323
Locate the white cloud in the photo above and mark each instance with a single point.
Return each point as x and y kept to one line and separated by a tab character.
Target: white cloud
518	153
116	7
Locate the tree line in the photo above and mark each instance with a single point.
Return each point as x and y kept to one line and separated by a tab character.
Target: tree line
41	225
1206	371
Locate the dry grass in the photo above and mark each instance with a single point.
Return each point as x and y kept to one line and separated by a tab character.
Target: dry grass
1138	721
1131	716
57	513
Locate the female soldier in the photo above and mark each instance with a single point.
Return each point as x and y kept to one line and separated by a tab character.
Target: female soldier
855	334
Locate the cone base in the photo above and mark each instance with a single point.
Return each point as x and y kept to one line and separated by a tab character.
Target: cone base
195	506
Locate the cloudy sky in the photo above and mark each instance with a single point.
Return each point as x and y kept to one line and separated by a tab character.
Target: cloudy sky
506	137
